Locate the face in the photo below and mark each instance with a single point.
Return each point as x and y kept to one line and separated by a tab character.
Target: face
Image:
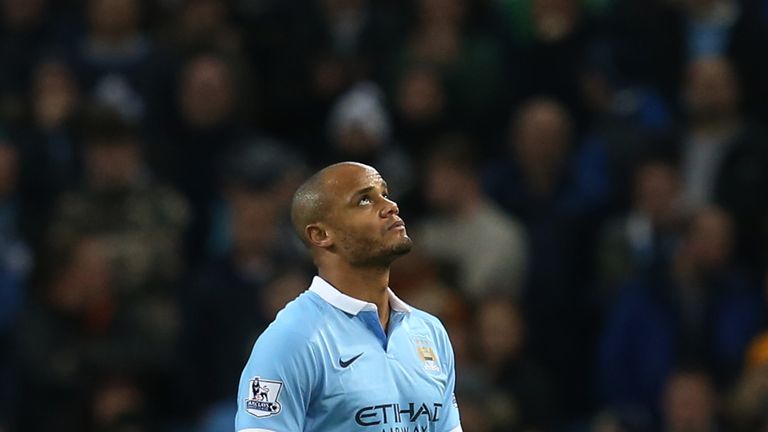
500	328
710	238
55	95
541	137
254	209
114	17
363	223
113	165
420	96
20	13
207	93
689	403
712	89
657	188
443	182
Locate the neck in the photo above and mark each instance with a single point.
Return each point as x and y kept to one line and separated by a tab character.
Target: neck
368	284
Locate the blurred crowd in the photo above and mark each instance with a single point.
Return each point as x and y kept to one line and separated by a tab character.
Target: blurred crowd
585	182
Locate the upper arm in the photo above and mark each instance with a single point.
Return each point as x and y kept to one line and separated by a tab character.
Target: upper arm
276	384
450	421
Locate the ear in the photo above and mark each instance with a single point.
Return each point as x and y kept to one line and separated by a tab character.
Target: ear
317	235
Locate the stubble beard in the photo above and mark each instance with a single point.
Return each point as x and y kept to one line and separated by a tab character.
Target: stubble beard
368	253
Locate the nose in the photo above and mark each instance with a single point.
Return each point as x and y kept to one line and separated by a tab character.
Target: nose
390	207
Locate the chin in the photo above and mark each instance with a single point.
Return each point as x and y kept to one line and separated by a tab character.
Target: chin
402	247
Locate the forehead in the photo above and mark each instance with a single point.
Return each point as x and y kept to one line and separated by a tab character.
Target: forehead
348	179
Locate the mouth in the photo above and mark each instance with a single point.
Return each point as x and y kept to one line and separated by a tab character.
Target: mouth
396	225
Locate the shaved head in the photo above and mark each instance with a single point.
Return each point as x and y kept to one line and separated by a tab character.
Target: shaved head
311	200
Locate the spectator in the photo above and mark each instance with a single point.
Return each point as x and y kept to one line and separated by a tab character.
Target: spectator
25	32
121	203
212	122
671	35
521	395
49	143
722	155
630	120
228	301
627	120
549	62
704	311
360	130
467	60
201	25
558	192
644	240
350	40
76	337
421	113
117	64
485	248
689	403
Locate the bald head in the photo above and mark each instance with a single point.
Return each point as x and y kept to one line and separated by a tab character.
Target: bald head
311	202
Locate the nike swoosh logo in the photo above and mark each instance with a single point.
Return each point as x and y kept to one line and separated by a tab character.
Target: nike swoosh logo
345	363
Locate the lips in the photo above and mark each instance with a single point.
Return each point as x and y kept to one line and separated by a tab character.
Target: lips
397	224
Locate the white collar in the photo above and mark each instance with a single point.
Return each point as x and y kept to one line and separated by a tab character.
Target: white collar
351	305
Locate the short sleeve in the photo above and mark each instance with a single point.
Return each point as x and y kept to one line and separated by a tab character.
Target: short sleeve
450	421
276	384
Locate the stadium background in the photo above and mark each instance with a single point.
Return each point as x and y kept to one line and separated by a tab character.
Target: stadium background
585	183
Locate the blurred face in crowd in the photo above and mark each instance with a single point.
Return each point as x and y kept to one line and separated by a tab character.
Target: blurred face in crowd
202	17
710	239
554	19
22	14
207	91
86	277
356	141
445	181
712	90
689	403
113	165
113	19
657	192
442	12
420	95
255	215
54	95
9	160
542	137
501	330
361	223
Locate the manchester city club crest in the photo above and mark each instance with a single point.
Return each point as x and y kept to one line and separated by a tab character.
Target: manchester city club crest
262	397
426	353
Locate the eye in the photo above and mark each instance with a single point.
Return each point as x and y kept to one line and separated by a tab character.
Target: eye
385	195
364	201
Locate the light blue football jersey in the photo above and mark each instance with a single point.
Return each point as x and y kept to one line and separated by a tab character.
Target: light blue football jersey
325	364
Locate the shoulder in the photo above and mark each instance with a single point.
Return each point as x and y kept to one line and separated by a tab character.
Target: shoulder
295	329
287	347
424	321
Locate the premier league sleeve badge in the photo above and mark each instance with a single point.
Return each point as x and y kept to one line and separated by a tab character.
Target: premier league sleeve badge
262	397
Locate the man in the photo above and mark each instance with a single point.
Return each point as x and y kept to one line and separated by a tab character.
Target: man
347	354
